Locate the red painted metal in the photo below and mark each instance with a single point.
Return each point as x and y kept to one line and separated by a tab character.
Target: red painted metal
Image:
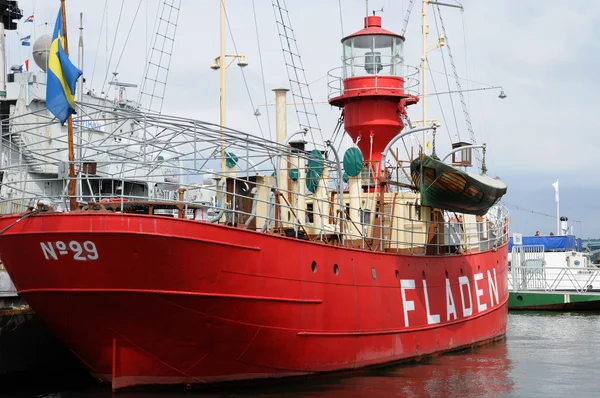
179	306
373	27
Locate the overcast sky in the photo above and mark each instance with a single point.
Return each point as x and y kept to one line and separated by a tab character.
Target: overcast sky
543	53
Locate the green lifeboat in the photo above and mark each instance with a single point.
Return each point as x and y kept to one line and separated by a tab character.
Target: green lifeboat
449	188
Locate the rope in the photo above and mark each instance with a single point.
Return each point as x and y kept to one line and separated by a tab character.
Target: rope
19	220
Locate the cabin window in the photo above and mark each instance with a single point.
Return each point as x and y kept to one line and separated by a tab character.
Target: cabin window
310	215
365	216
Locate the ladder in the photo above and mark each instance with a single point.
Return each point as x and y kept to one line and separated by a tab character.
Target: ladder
153	89
303	102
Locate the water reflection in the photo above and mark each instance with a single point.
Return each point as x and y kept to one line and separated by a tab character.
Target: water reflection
544	355
475	373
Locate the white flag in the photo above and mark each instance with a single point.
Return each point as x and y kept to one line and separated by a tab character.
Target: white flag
555	185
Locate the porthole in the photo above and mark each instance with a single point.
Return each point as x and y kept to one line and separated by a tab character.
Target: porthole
479	268
423	274
461	271
520	298
397	274
314	267
336	269
446	273
374	273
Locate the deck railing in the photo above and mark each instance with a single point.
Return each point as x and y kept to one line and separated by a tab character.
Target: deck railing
133	162
554	279
335	81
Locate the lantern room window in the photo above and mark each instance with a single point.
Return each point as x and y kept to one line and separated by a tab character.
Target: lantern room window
368	55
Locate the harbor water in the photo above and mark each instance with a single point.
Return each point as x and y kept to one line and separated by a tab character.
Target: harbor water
544	355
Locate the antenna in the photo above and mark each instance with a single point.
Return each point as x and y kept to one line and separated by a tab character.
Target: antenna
120	88
376	11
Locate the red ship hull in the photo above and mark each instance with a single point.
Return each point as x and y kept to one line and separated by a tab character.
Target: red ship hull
154	300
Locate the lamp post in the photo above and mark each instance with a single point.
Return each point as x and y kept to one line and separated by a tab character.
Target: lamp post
220	64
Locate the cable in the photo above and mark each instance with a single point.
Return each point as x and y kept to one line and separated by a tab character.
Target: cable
447	80
242	70
262	70
441	107
98	45
128	34
114	45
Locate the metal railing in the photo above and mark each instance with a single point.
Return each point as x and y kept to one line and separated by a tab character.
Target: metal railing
528	271
163	165
554	279
335	81
398	224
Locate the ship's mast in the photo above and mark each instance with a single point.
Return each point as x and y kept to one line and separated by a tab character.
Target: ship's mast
222	85
80	83
424	32
221	64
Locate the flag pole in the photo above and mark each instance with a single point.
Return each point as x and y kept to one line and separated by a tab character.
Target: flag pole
557	209
72	182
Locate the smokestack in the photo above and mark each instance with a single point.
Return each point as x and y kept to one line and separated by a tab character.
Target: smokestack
281	114
564	227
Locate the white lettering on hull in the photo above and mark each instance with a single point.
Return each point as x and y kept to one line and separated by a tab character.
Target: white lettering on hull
431	319
431	305
78	251
464	281
450	306
408	305
493	287
478	293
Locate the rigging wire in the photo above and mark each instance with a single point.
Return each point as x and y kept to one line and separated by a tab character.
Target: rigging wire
447	81
482	119
149	49
128	35
262	70
114	44
525	210
463	103
407	17
294	62
242	70
441	107
98	45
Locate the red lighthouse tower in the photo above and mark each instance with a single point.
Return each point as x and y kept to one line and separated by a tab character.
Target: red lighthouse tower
373	94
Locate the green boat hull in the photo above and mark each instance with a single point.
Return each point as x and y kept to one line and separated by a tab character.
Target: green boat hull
554	301
448	188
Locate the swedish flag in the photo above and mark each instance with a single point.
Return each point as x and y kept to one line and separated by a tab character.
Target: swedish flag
62	76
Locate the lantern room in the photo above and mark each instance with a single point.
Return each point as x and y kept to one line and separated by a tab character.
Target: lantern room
373	51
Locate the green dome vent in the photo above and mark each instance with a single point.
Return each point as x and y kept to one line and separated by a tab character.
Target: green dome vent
353	162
